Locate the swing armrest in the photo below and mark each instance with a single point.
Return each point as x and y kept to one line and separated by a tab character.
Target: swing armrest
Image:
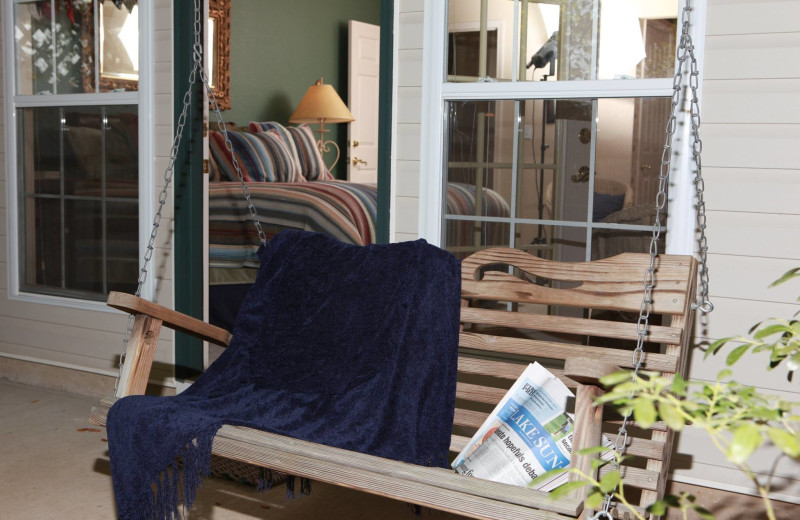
170	318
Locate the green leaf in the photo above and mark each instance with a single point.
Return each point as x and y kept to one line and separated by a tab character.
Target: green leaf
671	416
597	463
746	439
714	347
678	385
736	353
644	413
769	330
658	508
609	481
615	378
591	451
784	440
724	374
788	275
594	500
704	513
567	488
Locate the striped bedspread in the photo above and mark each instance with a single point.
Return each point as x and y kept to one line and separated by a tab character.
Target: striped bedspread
344	210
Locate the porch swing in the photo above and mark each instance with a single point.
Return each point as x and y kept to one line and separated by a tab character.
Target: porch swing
492	353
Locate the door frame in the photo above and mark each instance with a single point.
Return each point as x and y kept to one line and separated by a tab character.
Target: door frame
188	194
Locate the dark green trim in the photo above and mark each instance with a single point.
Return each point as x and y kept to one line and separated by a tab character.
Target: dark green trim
188	185
188	196
385	120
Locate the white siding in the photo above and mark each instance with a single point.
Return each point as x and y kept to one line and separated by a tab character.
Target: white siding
751	158
405	217
751	136
92	340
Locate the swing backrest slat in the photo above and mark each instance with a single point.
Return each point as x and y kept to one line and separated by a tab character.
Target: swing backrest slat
518	308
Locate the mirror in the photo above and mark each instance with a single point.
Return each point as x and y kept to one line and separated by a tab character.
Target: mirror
219	49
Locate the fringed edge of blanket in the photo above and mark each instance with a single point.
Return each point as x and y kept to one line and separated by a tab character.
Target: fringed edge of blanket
177	484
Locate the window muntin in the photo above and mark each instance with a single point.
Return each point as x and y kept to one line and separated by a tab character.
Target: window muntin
566	40
78	199
74	118
536	156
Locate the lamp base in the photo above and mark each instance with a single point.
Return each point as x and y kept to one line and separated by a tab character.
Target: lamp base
324	146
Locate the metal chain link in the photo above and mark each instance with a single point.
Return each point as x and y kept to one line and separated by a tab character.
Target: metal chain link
685	51
197	67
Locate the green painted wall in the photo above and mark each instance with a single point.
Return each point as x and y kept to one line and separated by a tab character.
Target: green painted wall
280	47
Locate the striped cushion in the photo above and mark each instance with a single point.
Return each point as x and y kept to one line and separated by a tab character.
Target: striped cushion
267	126
262	157
305	148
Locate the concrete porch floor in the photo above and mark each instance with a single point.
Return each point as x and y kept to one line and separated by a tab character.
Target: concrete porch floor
54	464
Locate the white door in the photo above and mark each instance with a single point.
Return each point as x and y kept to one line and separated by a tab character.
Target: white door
362	80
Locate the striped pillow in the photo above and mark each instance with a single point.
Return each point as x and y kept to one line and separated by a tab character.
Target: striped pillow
262	157
304	145
267	126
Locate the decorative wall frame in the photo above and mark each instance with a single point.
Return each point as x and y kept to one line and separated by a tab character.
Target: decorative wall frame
219	50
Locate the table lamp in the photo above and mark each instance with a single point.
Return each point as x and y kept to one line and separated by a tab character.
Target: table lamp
321	104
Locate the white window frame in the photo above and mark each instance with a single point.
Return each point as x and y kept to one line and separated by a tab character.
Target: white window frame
143	98
436	92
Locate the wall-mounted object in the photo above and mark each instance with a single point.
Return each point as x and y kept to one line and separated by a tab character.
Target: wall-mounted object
219	50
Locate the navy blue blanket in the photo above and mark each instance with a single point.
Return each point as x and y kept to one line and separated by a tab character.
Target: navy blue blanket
349	346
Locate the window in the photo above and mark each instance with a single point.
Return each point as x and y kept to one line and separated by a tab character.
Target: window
74	115
551	131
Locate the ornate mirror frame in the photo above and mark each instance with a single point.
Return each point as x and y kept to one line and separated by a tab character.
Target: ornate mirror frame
219	51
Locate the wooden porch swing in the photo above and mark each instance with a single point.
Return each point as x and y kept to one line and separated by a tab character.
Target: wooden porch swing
499	337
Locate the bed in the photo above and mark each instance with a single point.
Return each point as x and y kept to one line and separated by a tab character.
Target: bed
291	189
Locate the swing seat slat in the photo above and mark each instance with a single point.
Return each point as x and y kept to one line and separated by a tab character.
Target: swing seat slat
574	318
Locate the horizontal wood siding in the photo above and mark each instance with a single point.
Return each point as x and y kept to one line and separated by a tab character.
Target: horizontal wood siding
92	340
751	136
405	217
751	163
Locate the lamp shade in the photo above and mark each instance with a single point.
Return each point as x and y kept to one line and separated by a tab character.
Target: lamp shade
321	104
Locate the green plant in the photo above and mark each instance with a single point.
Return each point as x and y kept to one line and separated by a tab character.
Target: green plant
779	337
736	417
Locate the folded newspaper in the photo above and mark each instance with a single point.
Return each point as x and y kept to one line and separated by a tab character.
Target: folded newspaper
526	435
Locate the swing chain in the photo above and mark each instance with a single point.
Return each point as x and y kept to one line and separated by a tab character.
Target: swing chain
685	50
197	65
703	304
212	99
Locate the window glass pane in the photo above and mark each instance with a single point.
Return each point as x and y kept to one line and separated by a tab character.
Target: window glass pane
122	150
475	50
630	142
33	33
562	243
83	150
73	59
569	40
39	154
41	241
555	148
119	46
610	242
464	237
480	145
84	247
79	215
122	246
56	46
